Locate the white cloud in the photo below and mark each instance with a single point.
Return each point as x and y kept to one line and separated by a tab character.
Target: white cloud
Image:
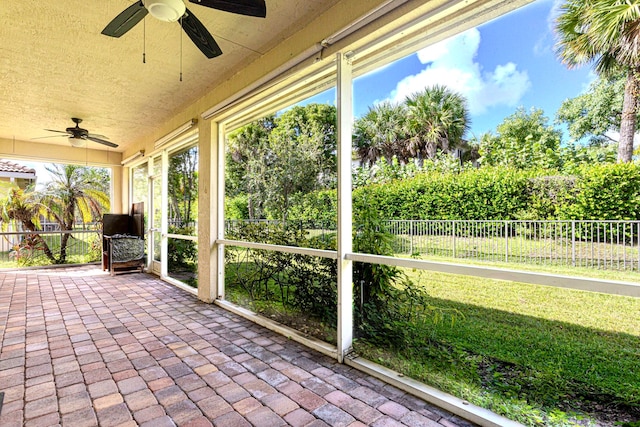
452	63
547	38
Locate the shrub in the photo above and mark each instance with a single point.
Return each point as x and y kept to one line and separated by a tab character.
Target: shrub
95	248
548	195
318	206
390	310
29	252
182	254
304	282
236	207
315	280
606	191
487	193
600	191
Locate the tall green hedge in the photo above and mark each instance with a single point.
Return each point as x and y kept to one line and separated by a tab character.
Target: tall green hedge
487	193
605	191
602	191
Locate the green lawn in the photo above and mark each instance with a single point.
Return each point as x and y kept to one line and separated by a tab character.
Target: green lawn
536	354
565	270
519	250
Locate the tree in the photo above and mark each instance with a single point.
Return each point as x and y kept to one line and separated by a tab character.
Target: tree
301	156
437	119
606	32
74	190
595	114
22	208
183	186
573	156
246	149
524	140
276	158
381	133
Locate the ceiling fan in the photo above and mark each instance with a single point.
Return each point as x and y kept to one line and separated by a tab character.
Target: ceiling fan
78	137
175	10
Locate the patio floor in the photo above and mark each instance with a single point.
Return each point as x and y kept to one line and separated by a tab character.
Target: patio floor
82	348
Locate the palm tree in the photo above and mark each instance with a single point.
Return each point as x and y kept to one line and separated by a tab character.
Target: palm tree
74	190
21	207
437	119
606	32
381	133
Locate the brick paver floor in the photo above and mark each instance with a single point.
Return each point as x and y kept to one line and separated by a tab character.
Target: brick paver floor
82	348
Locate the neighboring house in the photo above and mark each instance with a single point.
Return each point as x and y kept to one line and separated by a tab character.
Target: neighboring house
13	175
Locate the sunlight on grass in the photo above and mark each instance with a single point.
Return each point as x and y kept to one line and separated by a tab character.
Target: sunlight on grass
605	312
537	354
619	275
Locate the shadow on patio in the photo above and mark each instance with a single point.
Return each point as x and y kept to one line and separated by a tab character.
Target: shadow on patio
81	348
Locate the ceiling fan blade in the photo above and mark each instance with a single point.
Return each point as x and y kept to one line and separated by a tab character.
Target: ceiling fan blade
243	7
52	136
102	141
126	20
97	135
199	35
58	131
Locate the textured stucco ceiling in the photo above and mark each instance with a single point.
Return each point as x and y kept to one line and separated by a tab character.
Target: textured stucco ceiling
55	64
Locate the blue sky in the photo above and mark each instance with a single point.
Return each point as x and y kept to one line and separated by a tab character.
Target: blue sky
499	66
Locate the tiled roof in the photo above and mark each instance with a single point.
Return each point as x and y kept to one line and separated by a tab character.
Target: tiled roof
7	166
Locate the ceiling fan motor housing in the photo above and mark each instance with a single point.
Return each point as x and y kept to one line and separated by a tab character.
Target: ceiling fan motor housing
165	10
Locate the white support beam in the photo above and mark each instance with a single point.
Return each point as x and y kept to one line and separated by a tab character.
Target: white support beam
164	227
321	253
120	201
219	248
545	279
207	201
345	244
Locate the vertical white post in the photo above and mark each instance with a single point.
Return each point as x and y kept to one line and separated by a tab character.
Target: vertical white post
345	244
207	201
148	207
573	243
220	206
120	195
164	227
506	241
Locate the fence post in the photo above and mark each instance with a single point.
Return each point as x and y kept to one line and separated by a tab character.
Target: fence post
411	234
573	242
454	238
638	237
506	241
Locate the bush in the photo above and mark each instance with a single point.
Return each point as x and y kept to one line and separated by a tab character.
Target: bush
315	280
487	193
600	191
548	195
182	254
95	248
298	281
318	206
390	310
606	191
236	207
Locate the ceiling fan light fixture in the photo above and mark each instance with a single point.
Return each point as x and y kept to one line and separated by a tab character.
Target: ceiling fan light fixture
77	142
165	10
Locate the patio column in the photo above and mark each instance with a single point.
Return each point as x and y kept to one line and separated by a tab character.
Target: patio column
207	210
119	193
345	266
